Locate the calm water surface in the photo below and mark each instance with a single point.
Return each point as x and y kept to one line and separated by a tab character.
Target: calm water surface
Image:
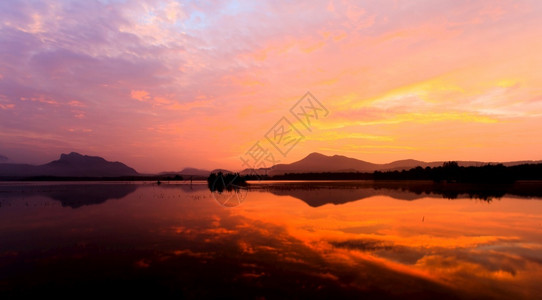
285	240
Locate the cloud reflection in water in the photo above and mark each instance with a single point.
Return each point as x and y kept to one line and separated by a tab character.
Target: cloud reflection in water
176	240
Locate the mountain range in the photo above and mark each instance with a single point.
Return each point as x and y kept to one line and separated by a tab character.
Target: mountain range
318	163
69	165
77	165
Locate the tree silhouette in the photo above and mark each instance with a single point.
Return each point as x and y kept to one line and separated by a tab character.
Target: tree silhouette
220	182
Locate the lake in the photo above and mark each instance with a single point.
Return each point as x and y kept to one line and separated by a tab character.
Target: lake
407	240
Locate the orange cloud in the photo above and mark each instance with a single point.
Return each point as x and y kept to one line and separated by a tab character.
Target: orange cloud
140	95
7	106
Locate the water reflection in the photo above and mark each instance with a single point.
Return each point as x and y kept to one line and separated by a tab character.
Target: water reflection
316	193
69	195
175	240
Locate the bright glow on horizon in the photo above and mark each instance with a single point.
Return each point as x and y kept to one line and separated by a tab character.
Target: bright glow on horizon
163	85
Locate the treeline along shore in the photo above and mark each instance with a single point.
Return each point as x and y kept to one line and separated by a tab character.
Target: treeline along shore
448	172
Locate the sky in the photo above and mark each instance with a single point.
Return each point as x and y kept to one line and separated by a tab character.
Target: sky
163	85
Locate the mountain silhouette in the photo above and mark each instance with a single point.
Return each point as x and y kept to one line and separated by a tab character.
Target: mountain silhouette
70	165
316	162
319	163
194	172
188	172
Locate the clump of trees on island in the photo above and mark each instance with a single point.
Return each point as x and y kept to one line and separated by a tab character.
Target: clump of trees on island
448	172
229	182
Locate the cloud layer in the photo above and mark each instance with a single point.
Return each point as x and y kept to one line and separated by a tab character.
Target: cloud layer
165	84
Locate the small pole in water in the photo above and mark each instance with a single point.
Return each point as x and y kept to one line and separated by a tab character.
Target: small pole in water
158	182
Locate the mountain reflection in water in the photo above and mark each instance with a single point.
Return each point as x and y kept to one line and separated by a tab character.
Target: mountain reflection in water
72	195
176	240
317	193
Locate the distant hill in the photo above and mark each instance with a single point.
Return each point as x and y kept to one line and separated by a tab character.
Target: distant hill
317	163
70	165
187	172
194	172
199	173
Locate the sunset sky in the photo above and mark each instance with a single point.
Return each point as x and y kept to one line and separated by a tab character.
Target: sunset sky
163	85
